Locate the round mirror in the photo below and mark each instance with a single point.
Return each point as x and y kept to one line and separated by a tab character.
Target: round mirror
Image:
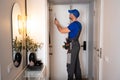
16	35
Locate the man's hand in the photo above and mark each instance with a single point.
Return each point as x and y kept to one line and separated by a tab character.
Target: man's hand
60	28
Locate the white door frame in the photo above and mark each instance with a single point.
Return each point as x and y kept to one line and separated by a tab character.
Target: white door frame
84	21
101	38
98	48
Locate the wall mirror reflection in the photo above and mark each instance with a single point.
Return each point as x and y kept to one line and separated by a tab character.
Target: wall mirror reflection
25	39
17	35
35	34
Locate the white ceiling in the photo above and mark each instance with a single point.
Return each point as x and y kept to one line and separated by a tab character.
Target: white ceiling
68	1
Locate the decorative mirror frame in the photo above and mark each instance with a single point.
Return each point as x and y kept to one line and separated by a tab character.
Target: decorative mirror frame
17	36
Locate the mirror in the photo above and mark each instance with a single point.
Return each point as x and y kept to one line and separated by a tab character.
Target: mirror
17	35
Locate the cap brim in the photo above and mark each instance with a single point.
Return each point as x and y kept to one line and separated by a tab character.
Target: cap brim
70	11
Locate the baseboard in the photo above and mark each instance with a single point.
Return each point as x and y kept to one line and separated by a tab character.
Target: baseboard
84	78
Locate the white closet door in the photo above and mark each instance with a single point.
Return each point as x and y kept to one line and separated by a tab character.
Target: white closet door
58	70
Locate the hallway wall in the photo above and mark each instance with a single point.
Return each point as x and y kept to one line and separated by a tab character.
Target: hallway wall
111	40
5	39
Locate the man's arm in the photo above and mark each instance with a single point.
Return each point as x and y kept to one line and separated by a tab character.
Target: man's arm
60	28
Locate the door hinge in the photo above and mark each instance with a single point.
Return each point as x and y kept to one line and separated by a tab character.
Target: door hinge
50	9
50	53
100	53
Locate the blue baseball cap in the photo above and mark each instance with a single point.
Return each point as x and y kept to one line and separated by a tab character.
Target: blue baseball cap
75	12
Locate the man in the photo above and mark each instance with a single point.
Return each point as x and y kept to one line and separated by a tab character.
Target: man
73	30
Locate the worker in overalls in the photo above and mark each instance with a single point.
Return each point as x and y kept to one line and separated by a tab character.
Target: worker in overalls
73	30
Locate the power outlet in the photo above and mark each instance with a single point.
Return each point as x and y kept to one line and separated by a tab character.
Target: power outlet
10	67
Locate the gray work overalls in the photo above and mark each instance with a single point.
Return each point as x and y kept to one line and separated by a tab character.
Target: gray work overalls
73	67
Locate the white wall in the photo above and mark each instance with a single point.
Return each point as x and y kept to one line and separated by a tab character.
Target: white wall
90	40
111	40
5	39
37	28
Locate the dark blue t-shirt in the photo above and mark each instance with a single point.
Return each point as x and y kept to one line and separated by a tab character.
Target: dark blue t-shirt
74	28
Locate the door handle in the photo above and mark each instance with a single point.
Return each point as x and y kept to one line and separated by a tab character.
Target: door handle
84	45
